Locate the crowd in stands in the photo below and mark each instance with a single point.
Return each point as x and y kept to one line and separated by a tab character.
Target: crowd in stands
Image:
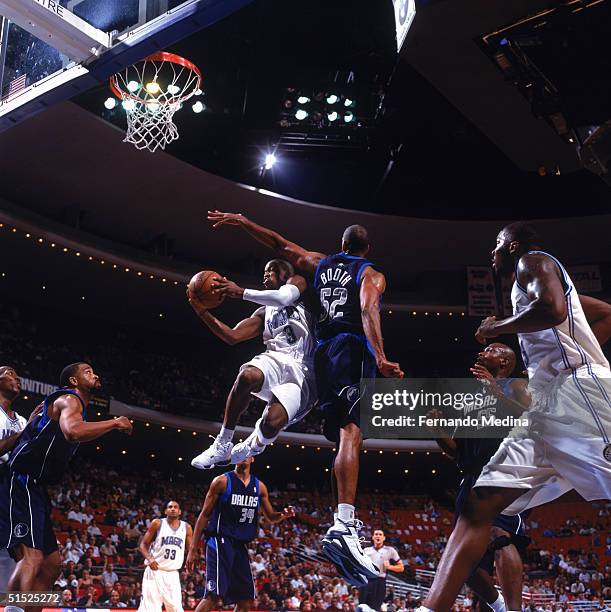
101	514
157	373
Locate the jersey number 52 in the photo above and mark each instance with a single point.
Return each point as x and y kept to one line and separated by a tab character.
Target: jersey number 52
330	306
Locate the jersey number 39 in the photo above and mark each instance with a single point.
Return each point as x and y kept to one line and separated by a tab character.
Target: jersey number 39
330	306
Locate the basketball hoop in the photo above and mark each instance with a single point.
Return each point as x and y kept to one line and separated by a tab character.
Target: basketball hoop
151	91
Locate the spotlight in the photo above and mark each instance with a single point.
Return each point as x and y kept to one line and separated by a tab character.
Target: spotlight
128	105
301	114
153	88
198	92
173	89
133	86
198	107
152	107
332	99
110	103
348	117
270	160
348	102
303	99
332	116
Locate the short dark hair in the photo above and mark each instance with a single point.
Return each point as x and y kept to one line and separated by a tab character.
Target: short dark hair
522	232
68	372
170	501
285	267
356	238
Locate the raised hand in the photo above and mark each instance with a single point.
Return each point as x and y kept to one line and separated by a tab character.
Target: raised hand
221	218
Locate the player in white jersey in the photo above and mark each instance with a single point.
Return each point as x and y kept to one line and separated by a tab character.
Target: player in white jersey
163	548
11	425
567	445
282	376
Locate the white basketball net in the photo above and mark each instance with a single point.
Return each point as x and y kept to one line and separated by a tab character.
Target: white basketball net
151	92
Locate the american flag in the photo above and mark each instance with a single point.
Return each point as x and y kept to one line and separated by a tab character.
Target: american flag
15	85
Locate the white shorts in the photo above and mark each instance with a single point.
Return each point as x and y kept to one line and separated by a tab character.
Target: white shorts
290	381
161	587
566	446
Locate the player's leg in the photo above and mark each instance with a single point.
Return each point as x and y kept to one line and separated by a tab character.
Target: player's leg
249	380
340	365
49	571
209	602
151	600
242	587
219	561
481	582
169	586
509	569
273	420
29	563
346	468
467	544
291	400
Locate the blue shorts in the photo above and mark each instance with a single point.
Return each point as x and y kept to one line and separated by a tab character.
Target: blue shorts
340	363
513	525
228	573
25	514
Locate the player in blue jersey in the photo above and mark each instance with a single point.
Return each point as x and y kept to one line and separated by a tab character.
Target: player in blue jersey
493	366
230	520
350	348
40	457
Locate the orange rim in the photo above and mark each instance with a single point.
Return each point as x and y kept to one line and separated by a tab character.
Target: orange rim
159	56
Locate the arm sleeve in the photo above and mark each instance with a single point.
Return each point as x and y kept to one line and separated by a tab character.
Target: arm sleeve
287	294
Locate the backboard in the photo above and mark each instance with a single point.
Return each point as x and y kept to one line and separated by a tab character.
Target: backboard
50	50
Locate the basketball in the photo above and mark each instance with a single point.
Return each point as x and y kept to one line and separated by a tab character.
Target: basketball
200	288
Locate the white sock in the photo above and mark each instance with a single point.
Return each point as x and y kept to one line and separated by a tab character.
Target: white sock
345	512
498	605
225	435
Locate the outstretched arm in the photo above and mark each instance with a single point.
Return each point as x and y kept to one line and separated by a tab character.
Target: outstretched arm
598	314
286	295
373	285
268	511
302	259
75	429
245	330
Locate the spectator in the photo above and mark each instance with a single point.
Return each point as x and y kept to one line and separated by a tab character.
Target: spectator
108	575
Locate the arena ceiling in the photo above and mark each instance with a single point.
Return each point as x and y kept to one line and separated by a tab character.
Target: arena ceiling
454	138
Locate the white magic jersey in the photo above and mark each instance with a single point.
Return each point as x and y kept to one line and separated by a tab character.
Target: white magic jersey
565	348
288	330
8	427
168	548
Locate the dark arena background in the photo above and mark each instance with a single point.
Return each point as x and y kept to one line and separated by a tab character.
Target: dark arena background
433	125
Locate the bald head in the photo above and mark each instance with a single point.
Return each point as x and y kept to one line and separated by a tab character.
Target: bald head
499	359
355	240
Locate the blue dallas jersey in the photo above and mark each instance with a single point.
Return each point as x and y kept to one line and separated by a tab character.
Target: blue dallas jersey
236	514
472	454
42	451
337	283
